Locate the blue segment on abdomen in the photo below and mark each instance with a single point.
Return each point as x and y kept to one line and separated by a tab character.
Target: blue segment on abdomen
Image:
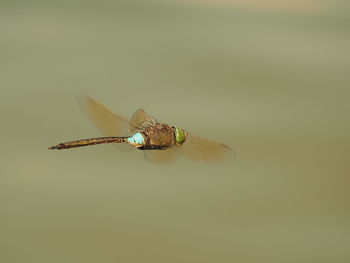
137	138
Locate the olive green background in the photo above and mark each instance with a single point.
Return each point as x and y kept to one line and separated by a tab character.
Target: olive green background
271	82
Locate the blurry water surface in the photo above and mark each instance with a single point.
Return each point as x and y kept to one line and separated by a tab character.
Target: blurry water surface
271	82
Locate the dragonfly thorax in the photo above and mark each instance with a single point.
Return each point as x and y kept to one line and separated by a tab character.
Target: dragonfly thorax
157	137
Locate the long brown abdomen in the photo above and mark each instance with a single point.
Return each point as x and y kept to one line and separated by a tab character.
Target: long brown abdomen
86	142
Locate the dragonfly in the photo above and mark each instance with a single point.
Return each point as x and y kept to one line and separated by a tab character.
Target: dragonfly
161	143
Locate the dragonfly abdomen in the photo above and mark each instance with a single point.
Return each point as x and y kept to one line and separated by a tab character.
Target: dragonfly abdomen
86	142
136	140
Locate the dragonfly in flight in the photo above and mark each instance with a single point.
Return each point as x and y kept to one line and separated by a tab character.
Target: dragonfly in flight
160	142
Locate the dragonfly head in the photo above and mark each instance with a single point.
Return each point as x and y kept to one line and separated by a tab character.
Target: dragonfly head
180	135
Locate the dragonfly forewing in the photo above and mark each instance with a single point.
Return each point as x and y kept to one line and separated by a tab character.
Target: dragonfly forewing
206	151
140	120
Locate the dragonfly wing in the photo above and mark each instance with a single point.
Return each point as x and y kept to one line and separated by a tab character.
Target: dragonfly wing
109	123
161	157
206	151
141	119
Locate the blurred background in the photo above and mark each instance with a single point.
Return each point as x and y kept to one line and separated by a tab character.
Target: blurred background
268	78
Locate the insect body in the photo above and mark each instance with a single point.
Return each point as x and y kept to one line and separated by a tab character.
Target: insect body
160	142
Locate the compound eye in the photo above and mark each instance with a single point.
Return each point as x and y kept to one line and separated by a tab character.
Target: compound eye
180	136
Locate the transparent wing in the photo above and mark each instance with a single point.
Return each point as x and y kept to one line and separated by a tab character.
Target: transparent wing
109	123
161	157
141	119
206	151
